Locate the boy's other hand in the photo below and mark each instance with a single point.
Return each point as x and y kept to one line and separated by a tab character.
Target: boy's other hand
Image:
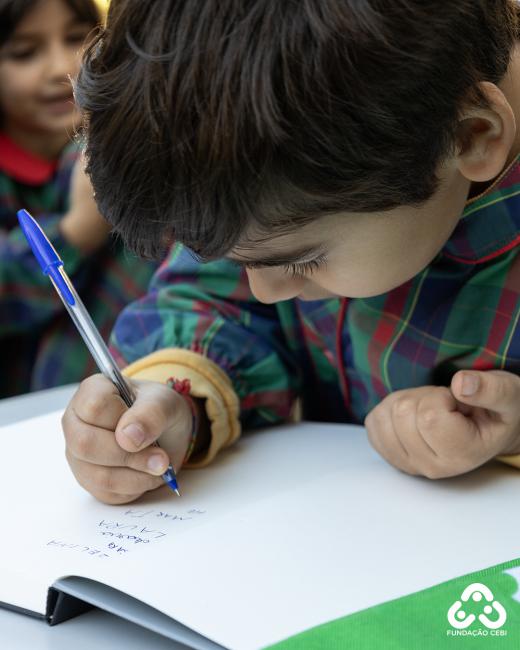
108	444
83	226
438	432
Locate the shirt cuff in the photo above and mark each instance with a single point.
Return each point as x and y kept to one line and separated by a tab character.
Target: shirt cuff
510	460
208	382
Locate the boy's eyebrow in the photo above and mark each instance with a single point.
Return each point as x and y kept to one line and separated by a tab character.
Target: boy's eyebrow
281	259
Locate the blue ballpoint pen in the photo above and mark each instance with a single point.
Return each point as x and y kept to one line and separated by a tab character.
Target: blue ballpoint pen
52	266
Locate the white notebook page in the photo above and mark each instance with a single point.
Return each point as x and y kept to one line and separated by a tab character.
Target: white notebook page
292	527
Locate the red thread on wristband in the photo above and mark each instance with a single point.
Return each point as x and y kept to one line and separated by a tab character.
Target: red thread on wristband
183	387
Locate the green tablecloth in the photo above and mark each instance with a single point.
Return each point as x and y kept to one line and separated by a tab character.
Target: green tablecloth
420	620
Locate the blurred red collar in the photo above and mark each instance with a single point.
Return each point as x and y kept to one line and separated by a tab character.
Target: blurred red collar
23	166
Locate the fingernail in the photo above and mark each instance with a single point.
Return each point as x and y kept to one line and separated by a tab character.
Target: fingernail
470	385
135	433
156	464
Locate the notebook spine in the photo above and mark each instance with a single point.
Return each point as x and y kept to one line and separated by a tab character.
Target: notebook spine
62	607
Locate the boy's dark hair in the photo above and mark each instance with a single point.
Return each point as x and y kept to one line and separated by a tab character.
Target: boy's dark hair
13	11
208	120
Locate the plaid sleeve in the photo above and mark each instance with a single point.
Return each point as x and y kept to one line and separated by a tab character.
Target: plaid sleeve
208	309
26	300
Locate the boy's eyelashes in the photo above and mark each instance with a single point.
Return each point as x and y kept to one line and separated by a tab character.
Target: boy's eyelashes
299	269
294	269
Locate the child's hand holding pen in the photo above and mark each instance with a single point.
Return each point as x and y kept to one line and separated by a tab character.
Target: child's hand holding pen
120	468
100	406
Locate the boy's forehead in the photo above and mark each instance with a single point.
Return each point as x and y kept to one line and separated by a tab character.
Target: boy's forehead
293	243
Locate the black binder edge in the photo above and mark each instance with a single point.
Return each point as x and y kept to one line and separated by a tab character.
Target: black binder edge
62	607
22	610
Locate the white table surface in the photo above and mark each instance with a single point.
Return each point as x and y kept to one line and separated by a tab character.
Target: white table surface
95	629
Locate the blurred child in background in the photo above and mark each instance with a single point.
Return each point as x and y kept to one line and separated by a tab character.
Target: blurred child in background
40	170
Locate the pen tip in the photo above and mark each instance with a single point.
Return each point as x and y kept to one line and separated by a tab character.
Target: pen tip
177	492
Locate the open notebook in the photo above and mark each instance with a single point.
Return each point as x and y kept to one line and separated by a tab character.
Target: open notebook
292	527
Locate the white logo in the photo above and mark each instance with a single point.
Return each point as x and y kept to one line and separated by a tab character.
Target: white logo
460	620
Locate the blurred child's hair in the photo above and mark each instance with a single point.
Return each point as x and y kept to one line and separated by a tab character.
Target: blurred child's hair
13	11
211	120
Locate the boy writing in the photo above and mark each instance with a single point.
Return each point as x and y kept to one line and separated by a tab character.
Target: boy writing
341	182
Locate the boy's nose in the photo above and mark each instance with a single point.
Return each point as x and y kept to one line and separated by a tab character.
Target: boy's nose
272	285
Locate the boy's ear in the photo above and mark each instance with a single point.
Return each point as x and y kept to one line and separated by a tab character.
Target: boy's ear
486	136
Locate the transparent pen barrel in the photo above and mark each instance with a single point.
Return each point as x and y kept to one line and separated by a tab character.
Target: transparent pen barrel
95	343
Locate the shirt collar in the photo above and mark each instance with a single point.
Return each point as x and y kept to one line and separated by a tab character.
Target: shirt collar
490	223
22	165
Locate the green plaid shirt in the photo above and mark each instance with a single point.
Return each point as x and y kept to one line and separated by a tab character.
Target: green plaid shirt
344	356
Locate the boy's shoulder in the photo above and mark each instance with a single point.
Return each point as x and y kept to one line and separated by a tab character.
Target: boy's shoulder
490	223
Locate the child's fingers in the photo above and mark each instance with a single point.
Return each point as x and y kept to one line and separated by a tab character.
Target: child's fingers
420	431
112	499
97	402
404	419
495	390
156	409
384	439
112	480
454	436
439	424
99	447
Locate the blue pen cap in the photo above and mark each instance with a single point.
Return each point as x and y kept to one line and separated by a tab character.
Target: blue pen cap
45	253
42	248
